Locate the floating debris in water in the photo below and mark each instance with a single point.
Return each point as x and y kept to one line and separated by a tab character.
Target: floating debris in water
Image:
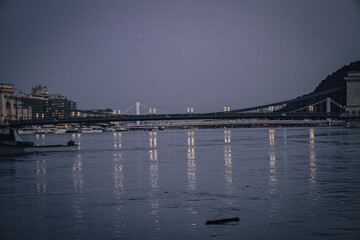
222	221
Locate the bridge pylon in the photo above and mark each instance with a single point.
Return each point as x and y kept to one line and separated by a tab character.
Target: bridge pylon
328	105
352	114
137	112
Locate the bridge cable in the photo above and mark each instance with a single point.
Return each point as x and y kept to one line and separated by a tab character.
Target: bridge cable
308	106
129	108
337	104
154	108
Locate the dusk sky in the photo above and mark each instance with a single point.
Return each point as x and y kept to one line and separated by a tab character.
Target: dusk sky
171	55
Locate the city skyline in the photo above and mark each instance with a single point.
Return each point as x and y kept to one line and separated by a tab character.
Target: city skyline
172	55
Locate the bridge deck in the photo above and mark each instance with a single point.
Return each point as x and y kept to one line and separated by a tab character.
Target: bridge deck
174	117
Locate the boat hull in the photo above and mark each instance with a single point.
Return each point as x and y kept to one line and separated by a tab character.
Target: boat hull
54	148
6	150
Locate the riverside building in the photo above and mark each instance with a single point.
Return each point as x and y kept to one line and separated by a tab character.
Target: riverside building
49	106
11	107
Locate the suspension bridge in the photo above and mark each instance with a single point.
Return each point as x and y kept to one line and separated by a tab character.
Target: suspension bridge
306	107
336	97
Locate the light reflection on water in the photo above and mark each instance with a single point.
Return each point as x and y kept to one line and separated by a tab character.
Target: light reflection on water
227	158
41	171
78	186
154	164
118	174
272	156
191	161
273	180
285	183
154	181
191	175
229	191
312	158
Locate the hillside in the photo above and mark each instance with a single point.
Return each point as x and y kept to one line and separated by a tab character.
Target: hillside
336	79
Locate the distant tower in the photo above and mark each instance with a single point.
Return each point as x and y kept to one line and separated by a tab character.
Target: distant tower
137	112
353	99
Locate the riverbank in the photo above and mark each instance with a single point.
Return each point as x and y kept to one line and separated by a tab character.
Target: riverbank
251	123
153	126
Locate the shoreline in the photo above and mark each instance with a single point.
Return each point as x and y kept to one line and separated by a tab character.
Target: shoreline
206	124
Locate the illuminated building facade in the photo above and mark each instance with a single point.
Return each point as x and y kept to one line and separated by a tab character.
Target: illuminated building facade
49	106
12	108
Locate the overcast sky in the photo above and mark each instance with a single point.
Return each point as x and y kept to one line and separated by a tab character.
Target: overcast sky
171	55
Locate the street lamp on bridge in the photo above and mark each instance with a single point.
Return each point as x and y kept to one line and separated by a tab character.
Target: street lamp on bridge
311	109
271	108
152	111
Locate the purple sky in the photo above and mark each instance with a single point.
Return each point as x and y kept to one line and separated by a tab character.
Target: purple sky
171	55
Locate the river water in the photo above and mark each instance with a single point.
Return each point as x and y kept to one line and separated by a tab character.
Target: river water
294	183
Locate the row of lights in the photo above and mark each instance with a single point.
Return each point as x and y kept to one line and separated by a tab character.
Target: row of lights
271	109
189	110
75	113
152	111
38	116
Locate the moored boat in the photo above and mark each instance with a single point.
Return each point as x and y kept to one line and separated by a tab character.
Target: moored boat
12	144
151	129
97	129
109	129
27	131
121	129
86	130
60	131
73	130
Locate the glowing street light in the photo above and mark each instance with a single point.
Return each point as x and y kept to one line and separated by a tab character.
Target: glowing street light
152	111
311	109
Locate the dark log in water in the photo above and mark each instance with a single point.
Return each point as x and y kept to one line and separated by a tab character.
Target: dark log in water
222	221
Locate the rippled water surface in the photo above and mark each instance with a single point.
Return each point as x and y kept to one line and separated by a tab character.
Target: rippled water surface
295	183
